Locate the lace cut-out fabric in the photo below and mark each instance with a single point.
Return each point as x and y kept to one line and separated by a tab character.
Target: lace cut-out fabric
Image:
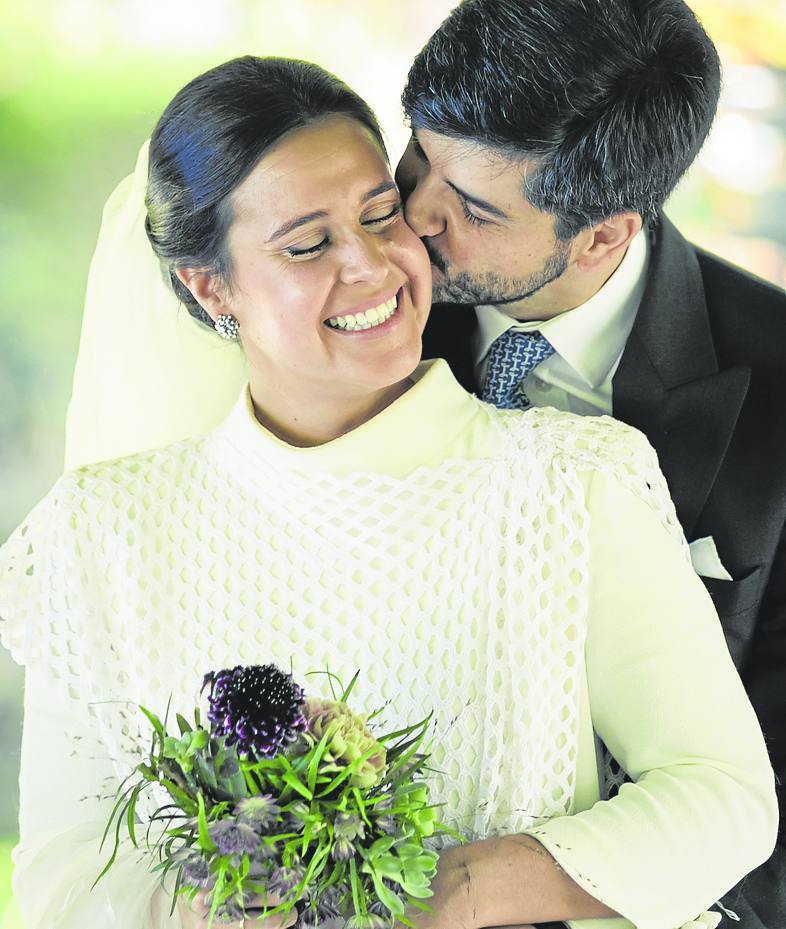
461	589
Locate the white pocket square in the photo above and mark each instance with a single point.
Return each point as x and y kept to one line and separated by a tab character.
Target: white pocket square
706	560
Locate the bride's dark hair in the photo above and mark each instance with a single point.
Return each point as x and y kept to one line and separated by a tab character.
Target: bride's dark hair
210	137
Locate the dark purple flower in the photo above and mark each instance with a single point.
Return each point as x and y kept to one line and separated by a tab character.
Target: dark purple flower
259	708
233	837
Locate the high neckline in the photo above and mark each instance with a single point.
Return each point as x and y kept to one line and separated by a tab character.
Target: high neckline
433	420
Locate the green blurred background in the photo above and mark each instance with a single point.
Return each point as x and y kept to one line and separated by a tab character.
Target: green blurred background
81	85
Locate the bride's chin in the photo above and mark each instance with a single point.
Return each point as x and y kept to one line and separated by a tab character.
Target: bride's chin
398	371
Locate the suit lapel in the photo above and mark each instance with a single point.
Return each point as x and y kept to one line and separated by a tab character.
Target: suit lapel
668	383
450	334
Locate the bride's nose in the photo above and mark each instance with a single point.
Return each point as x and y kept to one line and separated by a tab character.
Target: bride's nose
364	260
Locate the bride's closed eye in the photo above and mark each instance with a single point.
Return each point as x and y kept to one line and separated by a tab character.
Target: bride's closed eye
392	214
388	217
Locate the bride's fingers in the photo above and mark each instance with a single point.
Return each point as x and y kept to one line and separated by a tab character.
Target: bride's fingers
194	913
258	921
255	908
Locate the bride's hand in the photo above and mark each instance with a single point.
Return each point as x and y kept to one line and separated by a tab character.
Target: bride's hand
194	913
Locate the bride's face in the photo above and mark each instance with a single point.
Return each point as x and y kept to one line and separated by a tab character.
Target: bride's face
330	286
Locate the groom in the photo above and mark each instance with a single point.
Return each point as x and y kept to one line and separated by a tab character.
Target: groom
545	140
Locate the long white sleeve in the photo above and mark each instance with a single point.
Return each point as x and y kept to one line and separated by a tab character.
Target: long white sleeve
67	787
667	701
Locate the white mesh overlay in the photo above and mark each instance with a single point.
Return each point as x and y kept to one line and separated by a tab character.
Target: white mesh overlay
460	589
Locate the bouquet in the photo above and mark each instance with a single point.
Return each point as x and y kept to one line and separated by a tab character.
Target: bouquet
291	796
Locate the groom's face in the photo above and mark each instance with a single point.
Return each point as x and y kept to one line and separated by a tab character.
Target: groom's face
487	244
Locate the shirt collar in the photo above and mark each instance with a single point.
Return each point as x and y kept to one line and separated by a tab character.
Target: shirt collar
591	336
435	419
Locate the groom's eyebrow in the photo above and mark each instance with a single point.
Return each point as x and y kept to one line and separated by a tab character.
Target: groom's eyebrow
477	201
292	224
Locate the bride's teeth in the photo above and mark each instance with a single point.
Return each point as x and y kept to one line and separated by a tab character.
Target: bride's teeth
368	319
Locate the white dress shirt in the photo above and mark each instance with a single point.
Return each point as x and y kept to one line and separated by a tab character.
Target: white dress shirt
588	340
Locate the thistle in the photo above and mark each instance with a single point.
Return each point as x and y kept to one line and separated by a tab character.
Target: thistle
195	868
259	708
232	837
259	812
284	880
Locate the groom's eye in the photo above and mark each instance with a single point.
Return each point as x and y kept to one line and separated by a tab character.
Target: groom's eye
471	217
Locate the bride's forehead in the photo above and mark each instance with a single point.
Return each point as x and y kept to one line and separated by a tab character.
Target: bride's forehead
340	159
328	145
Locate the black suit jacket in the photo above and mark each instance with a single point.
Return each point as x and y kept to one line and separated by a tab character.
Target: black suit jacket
703	375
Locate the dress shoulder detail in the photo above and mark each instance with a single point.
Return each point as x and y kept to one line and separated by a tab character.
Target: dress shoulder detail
594	445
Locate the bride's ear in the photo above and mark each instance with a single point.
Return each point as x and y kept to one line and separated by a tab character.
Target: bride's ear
205	289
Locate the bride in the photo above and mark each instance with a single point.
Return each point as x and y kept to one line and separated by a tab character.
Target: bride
521	574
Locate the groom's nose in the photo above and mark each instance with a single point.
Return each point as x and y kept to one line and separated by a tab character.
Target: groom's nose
422	213
421	209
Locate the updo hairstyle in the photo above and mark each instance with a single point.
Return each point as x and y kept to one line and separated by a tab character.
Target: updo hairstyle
209	139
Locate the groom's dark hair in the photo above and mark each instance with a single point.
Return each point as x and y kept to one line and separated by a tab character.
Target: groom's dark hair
608	101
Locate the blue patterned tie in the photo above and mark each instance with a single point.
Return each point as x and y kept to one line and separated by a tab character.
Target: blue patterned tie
511	358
